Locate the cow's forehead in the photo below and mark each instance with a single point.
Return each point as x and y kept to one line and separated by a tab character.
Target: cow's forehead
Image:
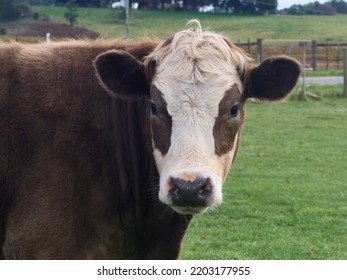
202	98
200	85
197	65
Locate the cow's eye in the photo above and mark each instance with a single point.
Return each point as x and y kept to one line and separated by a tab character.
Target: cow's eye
154	109
234	111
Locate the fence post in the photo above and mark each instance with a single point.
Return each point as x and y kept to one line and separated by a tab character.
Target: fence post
259	50
303	89
345	72
338	56
126	5
314	55
327	56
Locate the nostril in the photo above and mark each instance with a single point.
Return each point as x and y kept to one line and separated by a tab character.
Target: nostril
175	185
206	187
190	193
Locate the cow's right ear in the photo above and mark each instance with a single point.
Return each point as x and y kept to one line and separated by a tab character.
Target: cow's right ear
273	79
121	74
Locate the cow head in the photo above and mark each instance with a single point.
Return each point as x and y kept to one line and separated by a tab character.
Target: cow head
197	82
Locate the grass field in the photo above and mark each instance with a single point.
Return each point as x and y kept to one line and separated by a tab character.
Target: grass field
164	23
286	195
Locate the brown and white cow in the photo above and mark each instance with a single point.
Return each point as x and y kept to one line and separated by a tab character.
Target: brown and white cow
85	174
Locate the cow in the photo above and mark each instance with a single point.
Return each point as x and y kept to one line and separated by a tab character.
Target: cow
110	147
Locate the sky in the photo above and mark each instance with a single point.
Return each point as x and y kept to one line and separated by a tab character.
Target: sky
287	3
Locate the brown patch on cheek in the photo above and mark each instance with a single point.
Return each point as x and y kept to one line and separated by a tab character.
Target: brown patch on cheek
161	123
161	131
227	161
226	126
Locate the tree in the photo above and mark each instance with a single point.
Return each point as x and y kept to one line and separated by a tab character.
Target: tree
237	5
249	6
265	6
154	4
340	6
295	10
71	13
316	8
13	9
85	3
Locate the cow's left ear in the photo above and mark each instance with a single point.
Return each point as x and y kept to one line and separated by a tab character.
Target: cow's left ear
121	74
273	79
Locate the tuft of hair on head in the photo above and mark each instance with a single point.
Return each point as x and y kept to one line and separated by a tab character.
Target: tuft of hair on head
194	45
194	25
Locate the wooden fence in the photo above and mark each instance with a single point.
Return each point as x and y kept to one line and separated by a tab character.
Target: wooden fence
318	55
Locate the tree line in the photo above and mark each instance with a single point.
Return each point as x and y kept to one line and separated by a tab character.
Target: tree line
229	6
232	6
315	8
12	9
17	8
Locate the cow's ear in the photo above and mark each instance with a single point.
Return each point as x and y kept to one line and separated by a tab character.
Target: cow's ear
121	74
273	79
150	67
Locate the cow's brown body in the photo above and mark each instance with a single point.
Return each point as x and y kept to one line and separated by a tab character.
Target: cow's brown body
108	148
76	167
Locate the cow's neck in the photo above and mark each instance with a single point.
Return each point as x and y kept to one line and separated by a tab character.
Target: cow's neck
145	224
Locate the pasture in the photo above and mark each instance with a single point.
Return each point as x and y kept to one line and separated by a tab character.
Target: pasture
285	197
286	194
163	23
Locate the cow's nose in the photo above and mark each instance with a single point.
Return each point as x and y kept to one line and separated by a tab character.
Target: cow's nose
190	193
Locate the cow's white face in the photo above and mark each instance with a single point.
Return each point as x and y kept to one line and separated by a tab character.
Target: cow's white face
196	117
197	82
192	153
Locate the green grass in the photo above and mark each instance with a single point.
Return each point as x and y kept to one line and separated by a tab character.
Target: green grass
323	73
326	90
322	91
164	23
286	195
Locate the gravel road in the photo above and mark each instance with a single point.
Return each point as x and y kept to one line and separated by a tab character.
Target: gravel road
332	80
